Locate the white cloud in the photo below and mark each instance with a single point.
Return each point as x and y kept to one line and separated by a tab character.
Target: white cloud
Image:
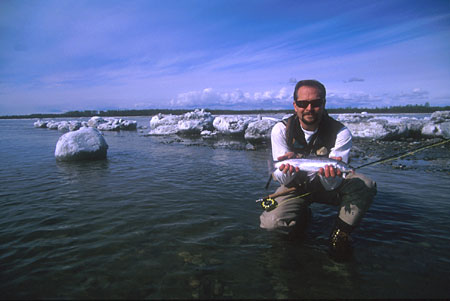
237	99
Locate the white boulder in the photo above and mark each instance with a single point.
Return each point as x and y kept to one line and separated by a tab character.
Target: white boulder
83	144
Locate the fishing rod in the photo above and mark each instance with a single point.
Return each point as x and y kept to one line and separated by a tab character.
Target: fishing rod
268	203
404	154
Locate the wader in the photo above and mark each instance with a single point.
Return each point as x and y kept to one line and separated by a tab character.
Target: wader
353	197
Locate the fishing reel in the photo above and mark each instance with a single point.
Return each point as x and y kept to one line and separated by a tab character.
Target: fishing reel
268	203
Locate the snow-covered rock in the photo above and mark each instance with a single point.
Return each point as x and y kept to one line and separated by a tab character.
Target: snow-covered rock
208	134
83	144
162	120
195	122
189	123
40	124
441	129
75	125
259	130
232	125
52	125
63	126
382	127
128	125
440	116
354	118
164	130
95	121
112	124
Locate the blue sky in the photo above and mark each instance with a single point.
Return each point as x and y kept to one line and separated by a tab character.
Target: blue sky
57	56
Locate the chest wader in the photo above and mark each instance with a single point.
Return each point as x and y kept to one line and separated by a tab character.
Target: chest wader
340	248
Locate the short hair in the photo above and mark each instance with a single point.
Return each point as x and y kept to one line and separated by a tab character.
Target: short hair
311	83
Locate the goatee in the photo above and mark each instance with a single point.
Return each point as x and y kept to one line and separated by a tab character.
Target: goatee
310	122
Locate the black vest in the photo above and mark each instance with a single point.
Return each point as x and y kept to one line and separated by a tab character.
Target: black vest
324	137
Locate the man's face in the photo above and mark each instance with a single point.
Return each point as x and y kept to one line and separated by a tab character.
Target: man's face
311	114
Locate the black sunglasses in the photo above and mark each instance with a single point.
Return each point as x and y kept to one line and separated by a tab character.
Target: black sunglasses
315	103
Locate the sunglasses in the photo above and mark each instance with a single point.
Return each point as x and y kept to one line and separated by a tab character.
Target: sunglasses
315	103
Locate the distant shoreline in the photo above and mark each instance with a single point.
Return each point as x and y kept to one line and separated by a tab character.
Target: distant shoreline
151	112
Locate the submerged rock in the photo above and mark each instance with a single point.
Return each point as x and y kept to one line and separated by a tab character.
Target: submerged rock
83	144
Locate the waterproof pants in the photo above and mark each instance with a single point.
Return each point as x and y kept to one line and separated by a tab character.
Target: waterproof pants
353	197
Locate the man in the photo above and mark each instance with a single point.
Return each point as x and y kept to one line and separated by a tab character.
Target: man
310	131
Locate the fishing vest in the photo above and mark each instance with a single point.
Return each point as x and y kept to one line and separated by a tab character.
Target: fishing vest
321	142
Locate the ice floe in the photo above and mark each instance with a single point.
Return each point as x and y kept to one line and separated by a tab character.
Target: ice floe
83	144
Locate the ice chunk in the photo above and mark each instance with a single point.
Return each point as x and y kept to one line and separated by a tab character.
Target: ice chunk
40	124
83	144
441	129
259	130
232	125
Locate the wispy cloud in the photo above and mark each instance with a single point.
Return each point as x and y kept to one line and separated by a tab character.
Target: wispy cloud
354	79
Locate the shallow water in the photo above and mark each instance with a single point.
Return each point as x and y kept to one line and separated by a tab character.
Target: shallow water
163	219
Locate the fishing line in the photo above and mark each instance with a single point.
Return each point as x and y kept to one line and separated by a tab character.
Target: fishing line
269	203
404	154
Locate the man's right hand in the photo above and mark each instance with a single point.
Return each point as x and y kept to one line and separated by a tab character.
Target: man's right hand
285	168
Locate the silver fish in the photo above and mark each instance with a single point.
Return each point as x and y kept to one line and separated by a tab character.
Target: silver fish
313	164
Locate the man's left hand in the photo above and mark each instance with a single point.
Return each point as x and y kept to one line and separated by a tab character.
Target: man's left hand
330	171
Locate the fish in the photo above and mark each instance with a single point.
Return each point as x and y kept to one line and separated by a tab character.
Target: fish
312	164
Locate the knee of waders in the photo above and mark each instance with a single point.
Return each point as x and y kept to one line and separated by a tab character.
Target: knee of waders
285	221
368	182
365	188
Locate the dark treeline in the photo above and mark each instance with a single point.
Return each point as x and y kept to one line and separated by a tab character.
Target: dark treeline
150	112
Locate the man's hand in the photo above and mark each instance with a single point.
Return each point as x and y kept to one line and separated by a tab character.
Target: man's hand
330	171
285	168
